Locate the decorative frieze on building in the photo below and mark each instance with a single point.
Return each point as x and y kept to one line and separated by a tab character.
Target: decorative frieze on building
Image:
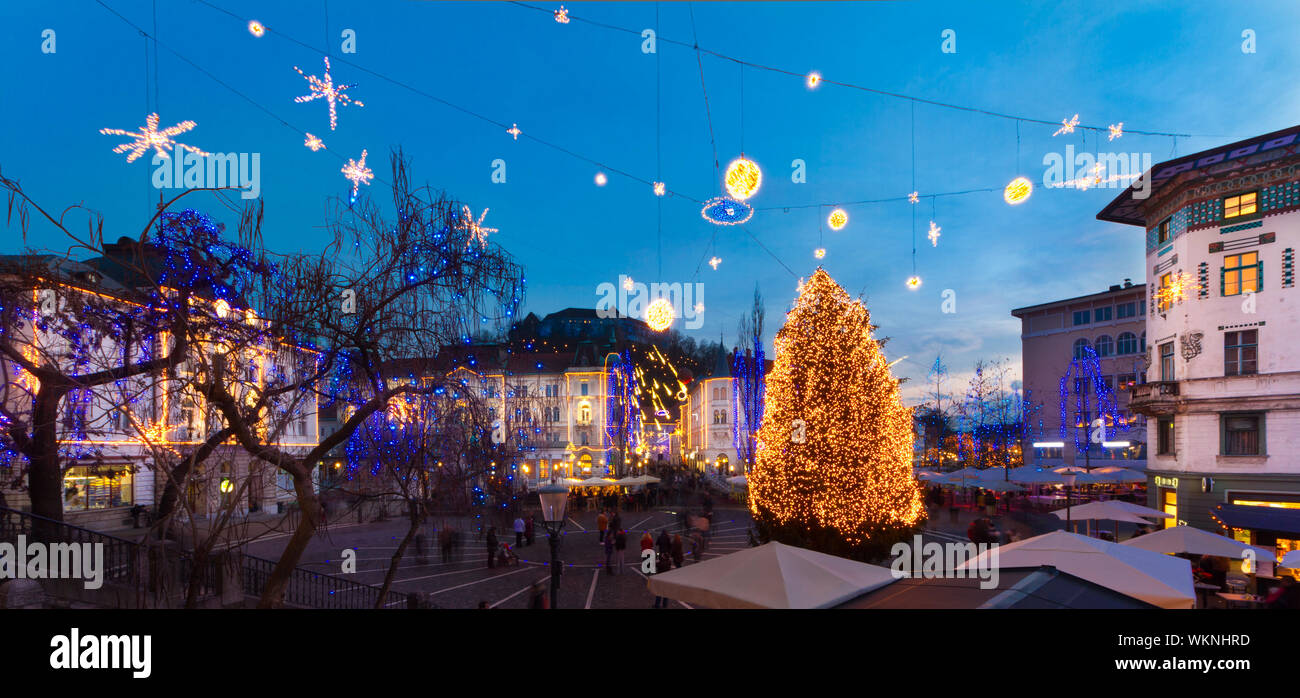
1288	267
1190	345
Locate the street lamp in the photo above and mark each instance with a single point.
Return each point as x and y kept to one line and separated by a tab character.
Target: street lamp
554	497
1069	489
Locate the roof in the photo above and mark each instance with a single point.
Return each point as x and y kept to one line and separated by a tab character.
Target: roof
1140	288
1127	207
1257	518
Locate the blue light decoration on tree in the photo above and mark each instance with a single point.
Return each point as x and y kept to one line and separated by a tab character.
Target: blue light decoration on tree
724	210
748	393
1093	399
622	411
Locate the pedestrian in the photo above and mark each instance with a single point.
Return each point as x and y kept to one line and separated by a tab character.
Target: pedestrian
529	529
620	549
602	523
665	545
519	531
492	547
609	553
616	523
444	541
679	555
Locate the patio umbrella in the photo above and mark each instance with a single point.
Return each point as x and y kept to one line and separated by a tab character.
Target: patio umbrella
1185	539
996	485
1120	475
1028	475
1146	512
1100	510
644	479
1158	579
738	480
774	575
595	482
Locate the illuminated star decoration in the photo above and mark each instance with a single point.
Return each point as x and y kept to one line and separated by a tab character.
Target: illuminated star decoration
819	252
314	143
628	283
722	210
913	282
1180	286
1067	125
1116	131
356	172
699	308
333	94
715	262
562	15
149	136
1094	179
814	79
514	131
933	234
475	228
913	197
256	29
659	189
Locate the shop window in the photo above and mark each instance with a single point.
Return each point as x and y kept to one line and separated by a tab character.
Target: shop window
1169	505
97	487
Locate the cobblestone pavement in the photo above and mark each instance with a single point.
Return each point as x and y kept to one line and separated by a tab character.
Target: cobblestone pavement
465	581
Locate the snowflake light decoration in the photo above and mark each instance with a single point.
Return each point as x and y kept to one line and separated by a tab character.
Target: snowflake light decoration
715	262
514	131
562	15
933	234
314	143
913	282
628	283
477	231
914	197
1067	125
723	210
659	315
356	172
327	90
699	308
659	189
820	252
1116	131
150	137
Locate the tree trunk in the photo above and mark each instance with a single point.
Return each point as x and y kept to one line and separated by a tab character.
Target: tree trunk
309	505
414	510
44	473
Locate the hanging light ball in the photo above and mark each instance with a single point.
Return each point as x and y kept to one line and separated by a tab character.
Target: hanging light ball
1018	190
838	219
659	315
814	79
601	179
743	178
913	282
819	252
256	29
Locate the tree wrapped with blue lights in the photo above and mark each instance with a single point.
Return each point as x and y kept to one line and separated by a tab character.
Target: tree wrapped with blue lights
1085	397
748	384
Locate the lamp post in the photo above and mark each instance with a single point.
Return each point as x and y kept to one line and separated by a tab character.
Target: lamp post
1069	489
554	497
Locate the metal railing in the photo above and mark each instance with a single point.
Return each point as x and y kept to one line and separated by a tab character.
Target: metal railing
316	589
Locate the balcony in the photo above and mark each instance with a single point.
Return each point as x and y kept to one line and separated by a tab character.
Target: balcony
1154	399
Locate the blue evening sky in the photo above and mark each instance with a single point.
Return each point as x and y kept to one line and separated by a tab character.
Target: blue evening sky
1157	66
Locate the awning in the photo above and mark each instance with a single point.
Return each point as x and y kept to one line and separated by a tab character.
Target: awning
1257	518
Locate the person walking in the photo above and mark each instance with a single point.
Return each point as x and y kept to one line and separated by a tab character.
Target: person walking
616	522
529	530
492	547
602	525
444	541
647	543
620	550
679	555
519	531
665	545
609	553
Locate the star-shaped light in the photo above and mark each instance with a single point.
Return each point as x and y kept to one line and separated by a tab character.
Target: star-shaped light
913	197
314	143
699	308
659	189
913	282
326	89
356	172
819	252
150	137
1116	131
715	262
934	234
814	79
562	15
514	131
477	231
1067	125
628	283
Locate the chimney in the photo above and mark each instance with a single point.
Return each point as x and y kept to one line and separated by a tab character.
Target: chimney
1128	283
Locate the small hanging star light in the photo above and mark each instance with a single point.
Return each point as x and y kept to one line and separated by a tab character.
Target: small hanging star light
659	189
562	15
715	262
1116	131
699	308
1067	125
601	179
838	219
933	234
820	252
356	172
314	143
256	29
814	79
514	131
743	178
914	197
150	137
628	283
913	282
659	315
1017	191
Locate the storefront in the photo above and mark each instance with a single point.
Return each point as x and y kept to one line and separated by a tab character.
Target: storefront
96	487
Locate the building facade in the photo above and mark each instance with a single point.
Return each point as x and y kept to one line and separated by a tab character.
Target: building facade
1223	354
1065	344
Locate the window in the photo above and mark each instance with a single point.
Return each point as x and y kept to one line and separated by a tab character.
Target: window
1104	346
1162	232
96	487
1165	436
1081	317
584	388
1127	343
1102	314
1241	273
1126	381
1240	205
1241	353
1242	434
1124	310
1142	346
1080	348
1164	298
1167	361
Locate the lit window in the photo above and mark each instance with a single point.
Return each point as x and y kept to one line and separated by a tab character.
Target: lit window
1240	205
1162	232
96	487
1241	273
1164	298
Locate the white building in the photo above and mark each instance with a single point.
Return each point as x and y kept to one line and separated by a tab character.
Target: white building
1223	336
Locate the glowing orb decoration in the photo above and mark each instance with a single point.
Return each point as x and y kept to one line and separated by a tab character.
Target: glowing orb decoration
819	252
722	210
256	29
660	189
659	315
1017	191
601	179
814	79
628	283
743	178
838	219
913	282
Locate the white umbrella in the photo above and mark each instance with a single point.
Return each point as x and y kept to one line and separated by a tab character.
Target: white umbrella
1099	510
1120	475
595	482
643	479
738	480
1146	512
1158	579
774	575
1291	560
996	485
1185	539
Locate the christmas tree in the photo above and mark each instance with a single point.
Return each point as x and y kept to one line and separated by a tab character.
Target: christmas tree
834	465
